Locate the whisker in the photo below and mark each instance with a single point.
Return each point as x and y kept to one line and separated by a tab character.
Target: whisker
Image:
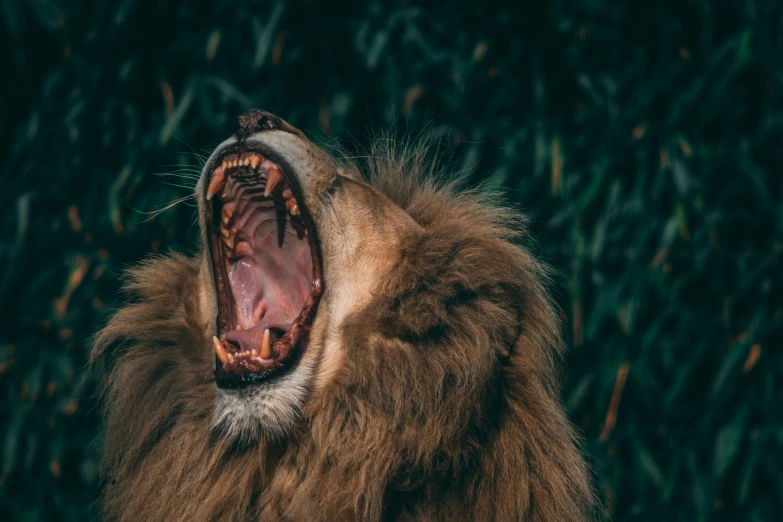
178	185
167	205
200	158
175	175
154	213
180	165
194	217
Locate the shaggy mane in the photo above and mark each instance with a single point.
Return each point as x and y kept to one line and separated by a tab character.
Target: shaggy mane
447	408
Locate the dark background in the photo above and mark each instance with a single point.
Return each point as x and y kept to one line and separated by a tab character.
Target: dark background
643	139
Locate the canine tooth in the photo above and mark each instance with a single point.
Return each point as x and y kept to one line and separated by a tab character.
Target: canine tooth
287	193
273	177
255	161
228	213
265	351
218	180
219	350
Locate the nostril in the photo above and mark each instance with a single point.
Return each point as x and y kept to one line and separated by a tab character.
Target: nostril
256	120
268	123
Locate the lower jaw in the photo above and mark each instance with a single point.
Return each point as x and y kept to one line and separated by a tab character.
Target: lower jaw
241	371
287	350
233	381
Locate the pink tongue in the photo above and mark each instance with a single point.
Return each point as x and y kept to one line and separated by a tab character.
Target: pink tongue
271	283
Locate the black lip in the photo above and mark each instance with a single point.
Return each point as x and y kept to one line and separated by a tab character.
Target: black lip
296	343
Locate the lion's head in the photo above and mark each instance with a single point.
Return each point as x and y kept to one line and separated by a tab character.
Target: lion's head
344	347
280	219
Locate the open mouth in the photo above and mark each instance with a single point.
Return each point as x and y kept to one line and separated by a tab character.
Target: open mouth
266	265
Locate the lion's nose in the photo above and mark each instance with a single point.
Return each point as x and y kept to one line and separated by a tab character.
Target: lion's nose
257	120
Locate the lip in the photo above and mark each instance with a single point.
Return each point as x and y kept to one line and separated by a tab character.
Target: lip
289	347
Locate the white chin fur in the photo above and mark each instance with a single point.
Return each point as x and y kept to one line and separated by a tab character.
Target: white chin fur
263	411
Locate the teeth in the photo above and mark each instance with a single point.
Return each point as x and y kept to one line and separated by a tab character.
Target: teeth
218	180
292	206
228	236
265	351
273	177
254	353
228	213
244	159
241	250
221	352
230	160
287	194
227	253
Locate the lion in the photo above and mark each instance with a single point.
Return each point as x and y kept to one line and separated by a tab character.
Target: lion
345	346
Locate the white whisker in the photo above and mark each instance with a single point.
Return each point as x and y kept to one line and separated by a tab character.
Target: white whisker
175	175
194	217
154	213
191	168
201	159
178	185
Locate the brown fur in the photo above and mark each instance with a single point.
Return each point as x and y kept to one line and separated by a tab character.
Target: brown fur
444	406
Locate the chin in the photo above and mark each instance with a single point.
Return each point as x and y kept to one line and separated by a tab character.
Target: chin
265	410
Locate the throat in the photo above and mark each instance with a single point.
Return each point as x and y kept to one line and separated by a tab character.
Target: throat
270	280
268	264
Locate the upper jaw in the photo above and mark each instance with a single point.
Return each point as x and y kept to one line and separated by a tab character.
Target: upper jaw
305	165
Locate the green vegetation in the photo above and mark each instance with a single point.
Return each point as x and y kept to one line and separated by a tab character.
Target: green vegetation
643	139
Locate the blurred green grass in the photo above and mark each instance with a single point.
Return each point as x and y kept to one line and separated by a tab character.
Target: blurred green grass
643	139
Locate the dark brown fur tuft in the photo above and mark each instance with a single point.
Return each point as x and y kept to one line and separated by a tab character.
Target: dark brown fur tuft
447	407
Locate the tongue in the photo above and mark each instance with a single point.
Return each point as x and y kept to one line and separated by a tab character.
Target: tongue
248	340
